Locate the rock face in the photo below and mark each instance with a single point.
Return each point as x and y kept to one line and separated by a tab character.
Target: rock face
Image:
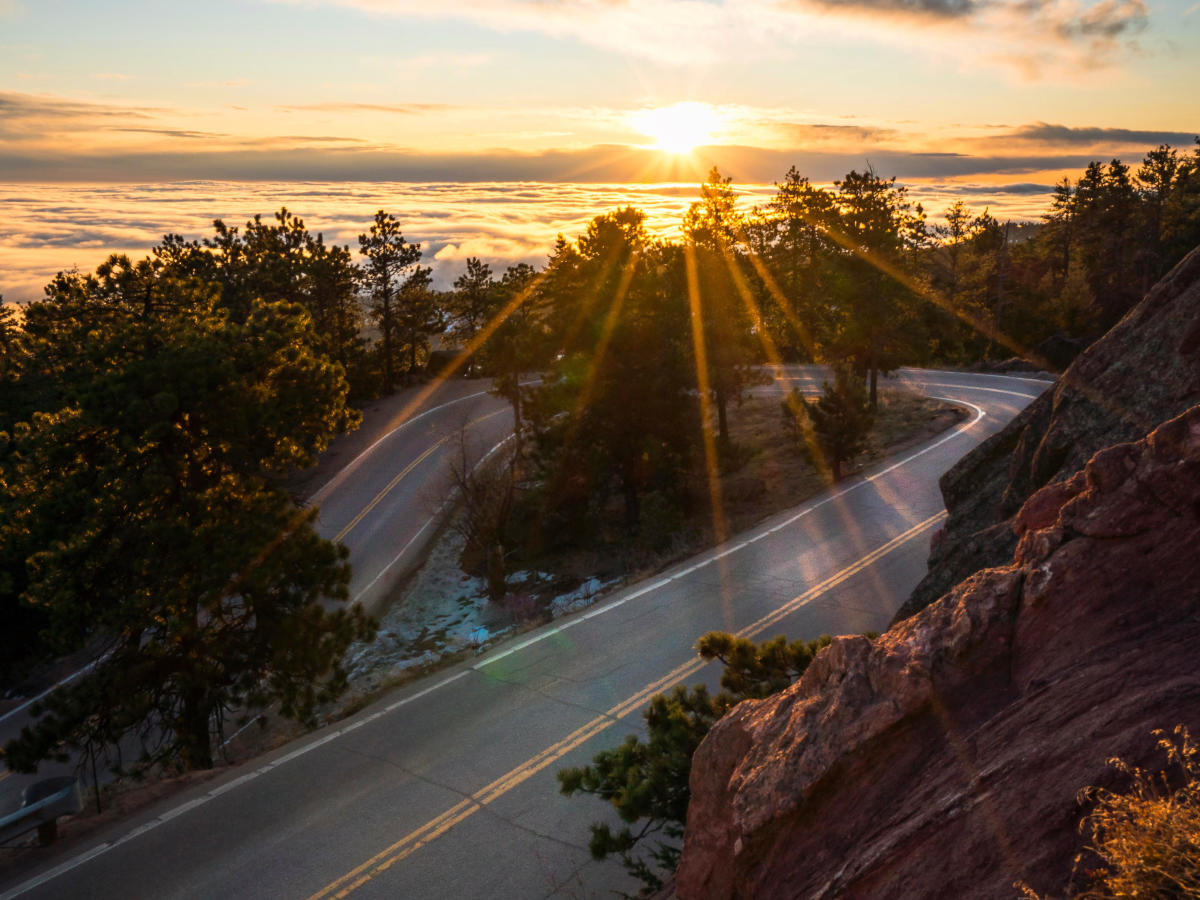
943	759
1144	371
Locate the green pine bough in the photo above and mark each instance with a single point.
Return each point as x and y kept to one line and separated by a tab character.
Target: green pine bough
646	781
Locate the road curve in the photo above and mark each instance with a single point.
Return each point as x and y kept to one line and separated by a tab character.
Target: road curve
447	789
379	491
383	500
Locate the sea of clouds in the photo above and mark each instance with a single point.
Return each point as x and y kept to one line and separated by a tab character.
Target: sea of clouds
47	228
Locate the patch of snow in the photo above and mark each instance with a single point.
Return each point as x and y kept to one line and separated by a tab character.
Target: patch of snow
444	611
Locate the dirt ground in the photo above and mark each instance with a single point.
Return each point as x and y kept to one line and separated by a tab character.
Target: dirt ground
767	472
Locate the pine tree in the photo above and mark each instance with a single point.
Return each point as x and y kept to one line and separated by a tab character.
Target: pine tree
389	261
646	781
418	315
717	284
139	513
474	301
841	418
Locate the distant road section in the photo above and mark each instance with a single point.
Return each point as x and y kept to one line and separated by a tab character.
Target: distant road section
446	789
380	489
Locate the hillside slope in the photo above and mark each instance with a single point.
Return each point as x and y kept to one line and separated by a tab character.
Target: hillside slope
943	758
1143	372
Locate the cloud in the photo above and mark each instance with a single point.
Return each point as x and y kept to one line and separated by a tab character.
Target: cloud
1063	135
1091	35
404	109
17	106
1035	36
48	228
76	136
1106	21
937	9
258	161
172	133
806	134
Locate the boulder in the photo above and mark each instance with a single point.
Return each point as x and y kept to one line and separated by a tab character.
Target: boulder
943	759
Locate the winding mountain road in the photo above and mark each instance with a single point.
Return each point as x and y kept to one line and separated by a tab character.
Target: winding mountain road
446	788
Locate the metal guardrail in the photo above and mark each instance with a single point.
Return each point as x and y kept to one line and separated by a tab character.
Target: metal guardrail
41	805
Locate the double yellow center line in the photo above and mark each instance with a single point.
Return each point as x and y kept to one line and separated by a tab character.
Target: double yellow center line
365	511
435	828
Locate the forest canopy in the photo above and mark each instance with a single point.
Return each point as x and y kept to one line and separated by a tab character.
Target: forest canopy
149	410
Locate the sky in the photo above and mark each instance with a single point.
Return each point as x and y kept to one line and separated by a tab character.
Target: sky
992	94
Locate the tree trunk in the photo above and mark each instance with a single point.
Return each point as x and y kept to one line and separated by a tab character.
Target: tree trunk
516	405
722	420
873	371
633	509
497	587
195	746
386	324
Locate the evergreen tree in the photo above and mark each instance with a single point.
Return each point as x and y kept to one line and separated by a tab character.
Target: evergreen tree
1059	233
473	303
139	514
277	262
713	228
798	254
519	343
418	316
880	233
841	418
390	260
646	781
617	415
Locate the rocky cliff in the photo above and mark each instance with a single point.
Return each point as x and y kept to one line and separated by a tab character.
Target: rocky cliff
1144	371
943	758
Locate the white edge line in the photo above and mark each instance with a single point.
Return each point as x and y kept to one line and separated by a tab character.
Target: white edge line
88	855
346	469
1042	381
195	802
32	700
436	515
1030	397
716	555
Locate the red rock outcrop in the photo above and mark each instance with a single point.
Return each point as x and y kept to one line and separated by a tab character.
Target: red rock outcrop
1145	370
943	758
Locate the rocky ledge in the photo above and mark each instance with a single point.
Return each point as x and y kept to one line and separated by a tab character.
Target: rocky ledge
943	758
1144	371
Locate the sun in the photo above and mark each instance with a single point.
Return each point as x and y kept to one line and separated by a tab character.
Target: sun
679	128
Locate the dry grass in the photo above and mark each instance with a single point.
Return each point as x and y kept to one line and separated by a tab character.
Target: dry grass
1143	842
776	473
1148	838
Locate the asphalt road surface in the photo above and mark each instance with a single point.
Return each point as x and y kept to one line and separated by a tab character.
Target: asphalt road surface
446	788
379	490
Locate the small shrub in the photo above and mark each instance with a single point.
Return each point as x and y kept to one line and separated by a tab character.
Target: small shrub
661	521
647	781
1143	842
1148	838
833	429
